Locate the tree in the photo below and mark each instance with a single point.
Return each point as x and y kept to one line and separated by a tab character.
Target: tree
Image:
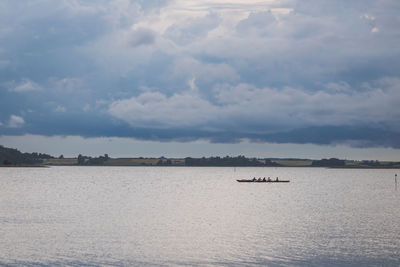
7	162
332	162
81	159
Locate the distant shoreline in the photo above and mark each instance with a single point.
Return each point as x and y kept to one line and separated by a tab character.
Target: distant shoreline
12	158
25	166
178	166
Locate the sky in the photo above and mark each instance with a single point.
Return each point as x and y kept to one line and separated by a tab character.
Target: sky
272	78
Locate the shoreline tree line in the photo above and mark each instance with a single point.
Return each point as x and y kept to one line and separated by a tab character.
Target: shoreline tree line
13	157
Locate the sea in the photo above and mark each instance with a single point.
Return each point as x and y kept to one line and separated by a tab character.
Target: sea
198	216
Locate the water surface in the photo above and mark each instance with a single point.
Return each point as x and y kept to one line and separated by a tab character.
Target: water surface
163	216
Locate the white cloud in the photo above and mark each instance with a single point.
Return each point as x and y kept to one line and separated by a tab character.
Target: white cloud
154	109
257	21
60	109
368	17
192	29
371	20
187	21
338	86
206	72
238	7
251	64
24	86
280	40
15	121
242	106
375	29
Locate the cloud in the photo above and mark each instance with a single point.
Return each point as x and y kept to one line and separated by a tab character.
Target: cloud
60	109
204	72
142	36
371	21
245	109
256	21
15	121
359	137
153	109
192	29
338	86
259	70
25	85
67	84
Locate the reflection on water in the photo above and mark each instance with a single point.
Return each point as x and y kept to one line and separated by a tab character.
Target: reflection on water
122	216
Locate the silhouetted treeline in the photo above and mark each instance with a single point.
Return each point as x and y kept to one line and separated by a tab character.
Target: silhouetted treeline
332	162
371	163
375	163
240	161
85	160
166	162
11	156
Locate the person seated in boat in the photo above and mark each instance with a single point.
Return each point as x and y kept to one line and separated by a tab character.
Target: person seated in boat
254	179
259	179
264	179
269	179
276	180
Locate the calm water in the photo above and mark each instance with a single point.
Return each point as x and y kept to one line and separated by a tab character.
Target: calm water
163	216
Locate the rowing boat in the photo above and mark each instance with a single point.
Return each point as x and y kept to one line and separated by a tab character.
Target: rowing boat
271	181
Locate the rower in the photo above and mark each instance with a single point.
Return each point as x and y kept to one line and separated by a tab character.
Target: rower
264	179
276	180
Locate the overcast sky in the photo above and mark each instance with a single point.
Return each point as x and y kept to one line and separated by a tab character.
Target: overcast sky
186	77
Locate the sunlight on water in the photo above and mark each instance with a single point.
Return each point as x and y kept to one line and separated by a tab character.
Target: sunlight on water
119	216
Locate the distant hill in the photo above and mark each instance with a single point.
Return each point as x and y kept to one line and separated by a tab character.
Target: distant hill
11	156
